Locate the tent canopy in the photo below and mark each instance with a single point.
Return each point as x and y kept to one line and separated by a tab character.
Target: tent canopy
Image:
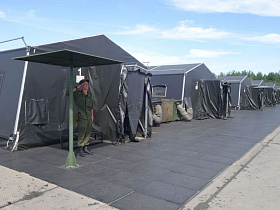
68	58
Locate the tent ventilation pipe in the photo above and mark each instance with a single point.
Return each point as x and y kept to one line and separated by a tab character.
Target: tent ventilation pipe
186	115
157	116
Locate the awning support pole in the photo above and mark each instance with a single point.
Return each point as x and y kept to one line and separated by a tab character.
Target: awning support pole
21	95
71	160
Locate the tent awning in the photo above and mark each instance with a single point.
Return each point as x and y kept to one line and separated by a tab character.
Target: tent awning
68	58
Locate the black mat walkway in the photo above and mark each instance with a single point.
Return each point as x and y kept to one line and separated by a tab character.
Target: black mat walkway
162	172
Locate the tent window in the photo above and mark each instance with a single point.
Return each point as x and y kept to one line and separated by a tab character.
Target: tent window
37	112
1	79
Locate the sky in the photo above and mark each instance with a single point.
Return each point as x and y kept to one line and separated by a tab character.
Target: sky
225	35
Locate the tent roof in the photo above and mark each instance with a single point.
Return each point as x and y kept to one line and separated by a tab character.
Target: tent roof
233	78
270	84
172	69
68	57
98	45
256	82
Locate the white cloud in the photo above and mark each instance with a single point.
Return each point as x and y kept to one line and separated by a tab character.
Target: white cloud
256	7
184	31
268	38
31	13
139	29
197	53
152	59
2	14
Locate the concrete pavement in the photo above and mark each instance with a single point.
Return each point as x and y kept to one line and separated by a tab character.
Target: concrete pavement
252	182
19	190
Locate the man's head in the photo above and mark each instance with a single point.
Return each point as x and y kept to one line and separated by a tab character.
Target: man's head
84	84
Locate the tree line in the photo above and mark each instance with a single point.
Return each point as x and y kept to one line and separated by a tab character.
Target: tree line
270	77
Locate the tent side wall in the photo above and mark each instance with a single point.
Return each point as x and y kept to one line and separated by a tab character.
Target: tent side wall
10	83
174	84
192	77
209	100
136	85
44	109
105	83
235	90
251	100
245	83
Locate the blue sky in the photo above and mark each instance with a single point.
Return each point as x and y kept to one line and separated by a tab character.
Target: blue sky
226	35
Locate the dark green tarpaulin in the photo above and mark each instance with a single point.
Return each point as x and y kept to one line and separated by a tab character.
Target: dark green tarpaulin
213	99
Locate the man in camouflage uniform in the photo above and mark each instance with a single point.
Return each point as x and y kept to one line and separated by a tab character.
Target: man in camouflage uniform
84	102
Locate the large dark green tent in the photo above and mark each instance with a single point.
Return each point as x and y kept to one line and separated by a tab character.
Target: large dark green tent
43	114
181	81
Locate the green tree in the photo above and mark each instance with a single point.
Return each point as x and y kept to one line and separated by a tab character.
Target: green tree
270	77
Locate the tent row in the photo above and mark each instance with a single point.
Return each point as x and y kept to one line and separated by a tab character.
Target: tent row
196	87
252	94
34	100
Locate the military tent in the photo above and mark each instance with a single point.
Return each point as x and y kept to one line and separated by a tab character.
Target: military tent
237	84
181	79
40	115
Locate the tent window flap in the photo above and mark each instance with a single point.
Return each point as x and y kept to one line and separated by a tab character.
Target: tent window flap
37	112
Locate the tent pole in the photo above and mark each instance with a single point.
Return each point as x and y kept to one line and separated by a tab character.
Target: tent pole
21	94
183	89
146	114
71	160
239	96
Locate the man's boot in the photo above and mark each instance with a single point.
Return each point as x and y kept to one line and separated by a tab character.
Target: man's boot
81	152
87	151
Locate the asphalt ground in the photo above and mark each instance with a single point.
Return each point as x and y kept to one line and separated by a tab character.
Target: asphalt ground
162	172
